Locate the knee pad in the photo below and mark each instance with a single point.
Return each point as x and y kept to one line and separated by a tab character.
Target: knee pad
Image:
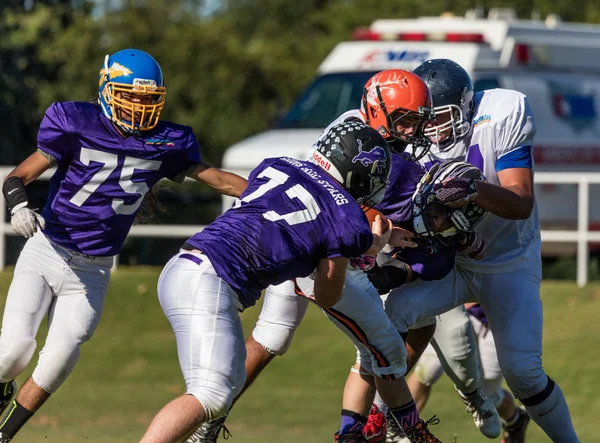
276	339
57	361
216	400
279	318
15	355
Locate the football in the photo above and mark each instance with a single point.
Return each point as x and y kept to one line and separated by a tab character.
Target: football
371	213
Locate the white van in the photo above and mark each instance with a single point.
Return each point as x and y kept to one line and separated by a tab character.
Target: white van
557	65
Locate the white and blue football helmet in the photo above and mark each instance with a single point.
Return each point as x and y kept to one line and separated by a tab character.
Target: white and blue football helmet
131	90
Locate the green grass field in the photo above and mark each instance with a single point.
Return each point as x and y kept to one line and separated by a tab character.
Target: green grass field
129	370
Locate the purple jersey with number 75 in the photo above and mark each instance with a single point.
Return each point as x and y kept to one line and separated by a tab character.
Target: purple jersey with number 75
292	215
101	177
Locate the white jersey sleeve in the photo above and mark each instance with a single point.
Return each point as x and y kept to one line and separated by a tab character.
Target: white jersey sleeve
514	126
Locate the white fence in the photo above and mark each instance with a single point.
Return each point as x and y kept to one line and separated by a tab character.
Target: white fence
582	235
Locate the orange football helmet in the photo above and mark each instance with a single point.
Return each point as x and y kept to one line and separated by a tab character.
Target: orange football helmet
397	104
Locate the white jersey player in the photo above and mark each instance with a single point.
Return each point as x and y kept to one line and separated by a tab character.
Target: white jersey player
493	130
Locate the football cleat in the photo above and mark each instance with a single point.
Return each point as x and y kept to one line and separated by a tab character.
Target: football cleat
515	433
6	397
354	435
420	433
394	433
375	429
209	432
484	413
4	438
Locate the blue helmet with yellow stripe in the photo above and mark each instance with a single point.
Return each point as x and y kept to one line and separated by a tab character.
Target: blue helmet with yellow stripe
131	90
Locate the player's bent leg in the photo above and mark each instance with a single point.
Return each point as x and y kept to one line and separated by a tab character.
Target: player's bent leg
361	316
74	316
456	346
514	308
61	350
257	358
280	316
204	314
28	301
492	374
416	341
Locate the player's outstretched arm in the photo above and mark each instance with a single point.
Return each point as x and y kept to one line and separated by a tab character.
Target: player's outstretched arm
222	181
329	281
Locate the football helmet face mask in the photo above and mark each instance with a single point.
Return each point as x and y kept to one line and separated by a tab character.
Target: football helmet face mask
397	104
452	92
131	90
435	224
358	157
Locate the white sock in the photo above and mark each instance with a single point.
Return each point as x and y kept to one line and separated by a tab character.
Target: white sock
553	416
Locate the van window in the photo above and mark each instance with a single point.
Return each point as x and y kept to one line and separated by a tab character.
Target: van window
325	99
484	84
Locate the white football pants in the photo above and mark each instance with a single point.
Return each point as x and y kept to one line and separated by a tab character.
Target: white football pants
68	287
512	304
204	313
429	368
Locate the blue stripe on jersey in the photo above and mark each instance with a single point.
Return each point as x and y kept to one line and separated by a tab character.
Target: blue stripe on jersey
518	158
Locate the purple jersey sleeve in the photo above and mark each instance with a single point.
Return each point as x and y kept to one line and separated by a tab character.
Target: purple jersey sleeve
404	178
189	158
55	132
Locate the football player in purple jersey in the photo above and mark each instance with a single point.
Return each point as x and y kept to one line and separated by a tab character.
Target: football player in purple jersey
295	219
107	157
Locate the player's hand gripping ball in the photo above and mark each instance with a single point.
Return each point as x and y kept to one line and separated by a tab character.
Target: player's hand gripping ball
371	213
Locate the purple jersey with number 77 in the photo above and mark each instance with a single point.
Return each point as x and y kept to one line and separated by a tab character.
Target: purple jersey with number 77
292	215
101	177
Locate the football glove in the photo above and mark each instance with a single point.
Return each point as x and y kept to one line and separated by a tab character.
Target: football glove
25	222
363	263
456	192
386	278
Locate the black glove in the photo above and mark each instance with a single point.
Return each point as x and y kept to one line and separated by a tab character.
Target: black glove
386	278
